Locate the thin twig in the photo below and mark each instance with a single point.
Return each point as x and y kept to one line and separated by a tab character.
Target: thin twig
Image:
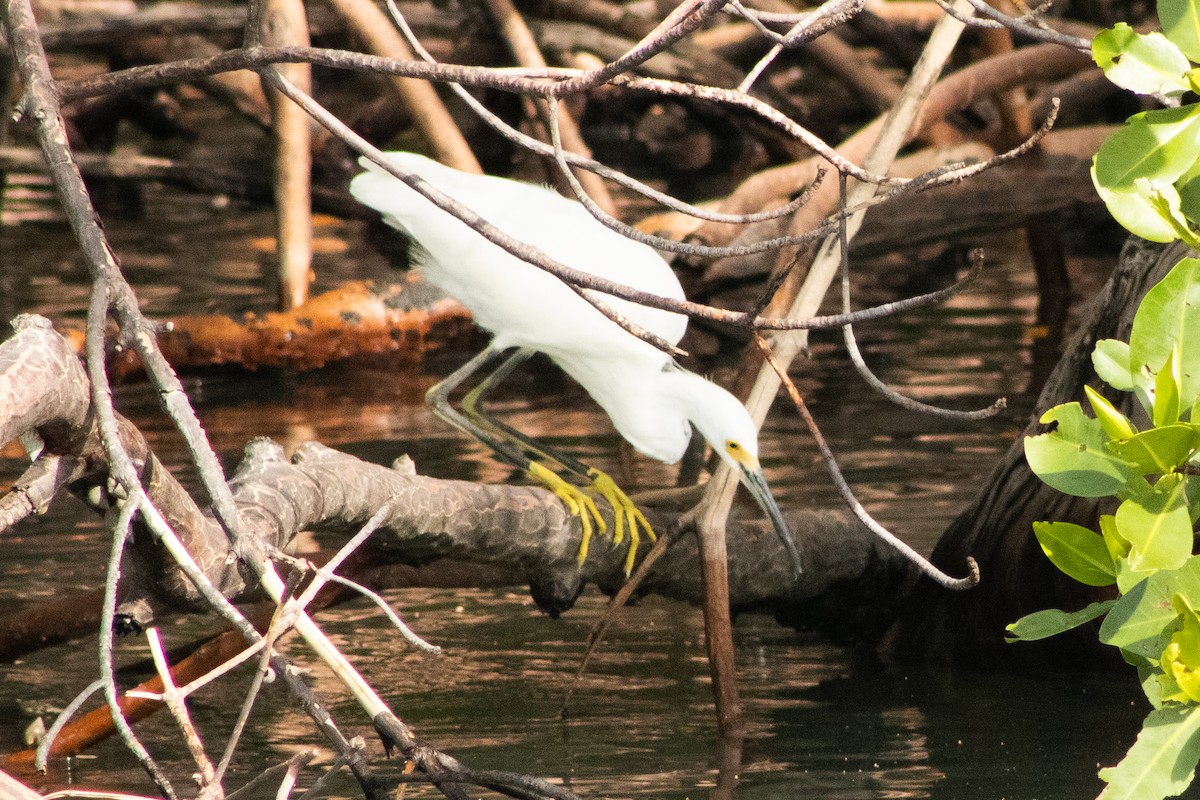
618	601
327	571
688	16
120	534
865	372
529	143
295	764
252	787
43	750
542	83
409	635
847	493
993	17
805	28
429	113
251	696
110	290
174	698
526	52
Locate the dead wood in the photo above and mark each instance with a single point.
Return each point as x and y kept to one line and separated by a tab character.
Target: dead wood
560	119
240	89
622	19
286	24
683	62
772	187
425	107
1050	184
524	529
401	322
49	622
97	725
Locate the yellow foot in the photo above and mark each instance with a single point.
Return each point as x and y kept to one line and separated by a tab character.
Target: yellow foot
576	500
625	513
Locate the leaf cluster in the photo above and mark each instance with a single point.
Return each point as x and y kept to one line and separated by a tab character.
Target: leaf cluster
1148	172
1143	549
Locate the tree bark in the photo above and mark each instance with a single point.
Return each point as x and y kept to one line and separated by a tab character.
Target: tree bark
43	391
997	527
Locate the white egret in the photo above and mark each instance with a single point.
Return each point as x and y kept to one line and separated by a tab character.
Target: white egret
653	403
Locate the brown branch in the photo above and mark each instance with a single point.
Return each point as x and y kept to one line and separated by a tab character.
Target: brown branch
982	79
287	24
405	321
111	292
429	113
523	528
525	50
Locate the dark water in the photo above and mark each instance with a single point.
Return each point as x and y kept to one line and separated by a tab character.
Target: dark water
824	722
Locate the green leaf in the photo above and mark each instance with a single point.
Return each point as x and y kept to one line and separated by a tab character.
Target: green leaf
1162	762
1110	358
1180	21
1077	551
1169	317
1141	622
1143	63
1074	457
1135	212
1181	658
1115	424
1116	544
1188	187
1150	677
1167	389
1157	145
1159	450
1143	619
1158	526
1166	201
1043	624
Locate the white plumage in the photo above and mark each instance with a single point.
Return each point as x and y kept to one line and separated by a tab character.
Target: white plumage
652	402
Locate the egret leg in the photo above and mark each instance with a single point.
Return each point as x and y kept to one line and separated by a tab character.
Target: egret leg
626	514
505	441
438	399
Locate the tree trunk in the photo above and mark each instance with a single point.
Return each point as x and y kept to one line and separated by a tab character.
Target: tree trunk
997	527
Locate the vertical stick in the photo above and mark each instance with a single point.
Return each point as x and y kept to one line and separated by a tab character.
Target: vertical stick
718	497
430	116
718	624
286	24
525	51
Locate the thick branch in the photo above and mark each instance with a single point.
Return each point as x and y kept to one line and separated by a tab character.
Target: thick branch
524	529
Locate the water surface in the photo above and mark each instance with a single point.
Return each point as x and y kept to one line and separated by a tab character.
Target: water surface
824	722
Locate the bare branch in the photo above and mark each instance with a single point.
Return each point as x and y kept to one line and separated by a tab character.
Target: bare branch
847	493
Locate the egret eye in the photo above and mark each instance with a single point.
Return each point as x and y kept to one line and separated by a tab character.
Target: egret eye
732	446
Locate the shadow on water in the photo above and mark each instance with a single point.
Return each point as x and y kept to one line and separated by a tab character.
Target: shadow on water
824	722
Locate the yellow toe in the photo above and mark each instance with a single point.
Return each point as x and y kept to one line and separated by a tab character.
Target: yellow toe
626	514
577	501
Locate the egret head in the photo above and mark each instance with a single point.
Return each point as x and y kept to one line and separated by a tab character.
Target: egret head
726	425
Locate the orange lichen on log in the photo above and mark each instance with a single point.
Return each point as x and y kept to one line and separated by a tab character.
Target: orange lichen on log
405	321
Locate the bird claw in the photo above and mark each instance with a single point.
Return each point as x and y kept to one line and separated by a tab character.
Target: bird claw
577	501
625	514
